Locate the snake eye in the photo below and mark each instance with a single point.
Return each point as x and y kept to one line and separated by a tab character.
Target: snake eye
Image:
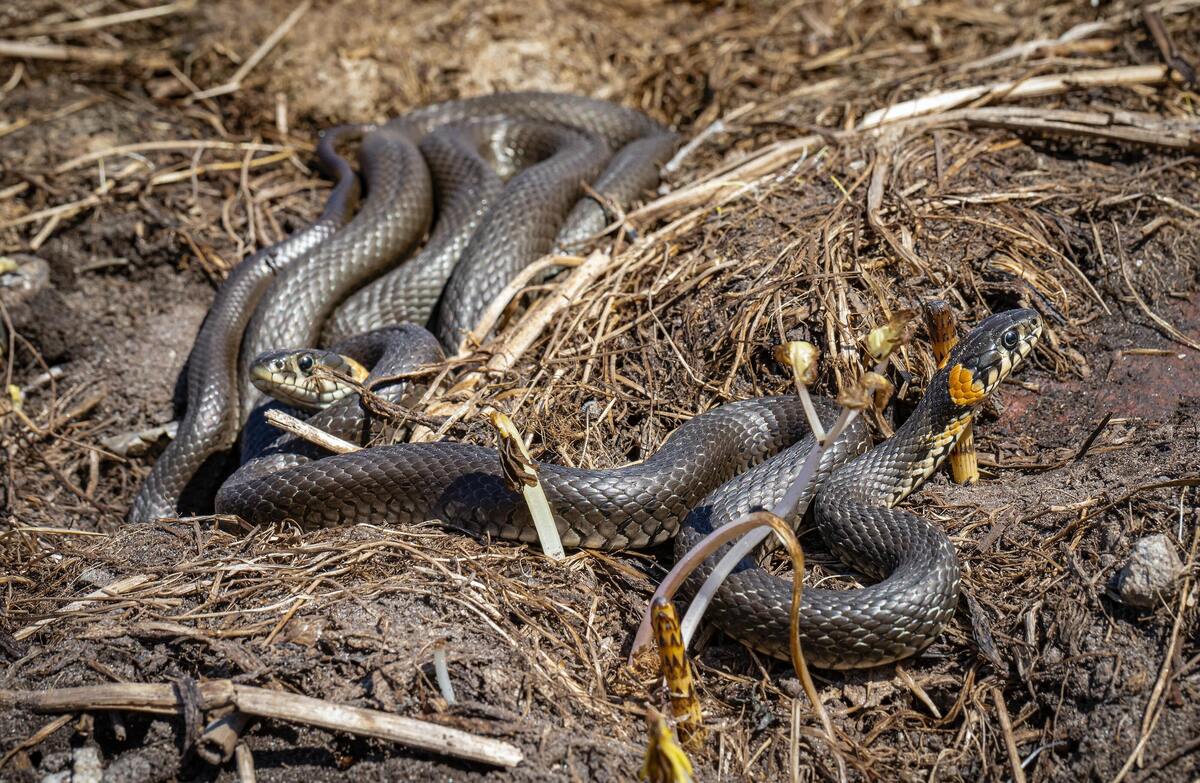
305	362
1010	339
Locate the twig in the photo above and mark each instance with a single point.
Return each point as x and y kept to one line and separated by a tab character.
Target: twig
36	738
918	691
235	82
289	423
119	587
164	146
82	54
491	314
97	22
1166	47
245	764
62	210
1087	444
1011	90
221	737
1116	125
1166	327
214	694
1010	742
512	345
229	165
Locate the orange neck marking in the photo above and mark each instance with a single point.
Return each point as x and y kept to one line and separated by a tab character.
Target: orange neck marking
964	389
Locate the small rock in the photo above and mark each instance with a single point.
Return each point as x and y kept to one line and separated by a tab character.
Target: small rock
1149	577
89	768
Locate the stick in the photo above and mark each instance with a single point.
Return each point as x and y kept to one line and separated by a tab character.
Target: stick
1010	742
108	591
82	54
160	698
511	346
235	82
289	423
1167	327
160	146
495	308
96	22
1010	90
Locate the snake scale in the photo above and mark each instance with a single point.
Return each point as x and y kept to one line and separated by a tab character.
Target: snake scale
500	179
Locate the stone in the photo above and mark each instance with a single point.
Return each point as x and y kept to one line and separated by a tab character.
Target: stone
1148	578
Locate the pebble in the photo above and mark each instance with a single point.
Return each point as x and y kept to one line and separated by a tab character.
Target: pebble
1148	578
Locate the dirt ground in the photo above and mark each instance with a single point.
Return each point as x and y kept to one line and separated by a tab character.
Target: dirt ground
788	219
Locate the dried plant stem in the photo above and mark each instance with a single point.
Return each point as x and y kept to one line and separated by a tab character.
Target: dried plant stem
520	472
81	54
495	308
677	673
214	694
99	22
235	82
289	423
509	347
1038	86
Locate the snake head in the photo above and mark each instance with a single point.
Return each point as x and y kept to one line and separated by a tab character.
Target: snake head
989	353
305	377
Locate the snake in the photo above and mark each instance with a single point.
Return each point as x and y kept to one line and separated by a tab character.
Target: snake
503	173
213	415
503	176
716	467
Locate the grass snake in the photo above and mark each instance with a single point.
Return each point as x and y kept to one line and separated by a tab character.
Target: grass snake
502	174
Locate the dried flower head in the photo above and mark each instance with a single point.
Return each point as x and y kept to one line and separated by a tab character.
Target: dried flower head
802	357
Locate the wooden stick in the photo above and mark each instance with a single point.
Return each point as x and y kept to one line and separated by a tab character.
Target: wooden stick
1010	742
82	54
97	22
289	423
163	146
1115	125
235	82
162	698
512	345
489	317
116	588
1010	90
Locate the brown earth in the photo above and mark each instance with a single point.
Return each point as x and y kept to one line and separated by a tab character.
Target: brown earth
1079	227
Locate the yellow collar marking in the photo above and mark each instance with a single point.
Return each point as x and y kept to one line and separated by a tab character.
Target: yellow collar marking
964	389
357	371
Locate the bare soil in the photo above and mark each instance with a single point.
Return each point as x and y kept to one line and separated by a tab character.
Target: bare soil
1101	235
